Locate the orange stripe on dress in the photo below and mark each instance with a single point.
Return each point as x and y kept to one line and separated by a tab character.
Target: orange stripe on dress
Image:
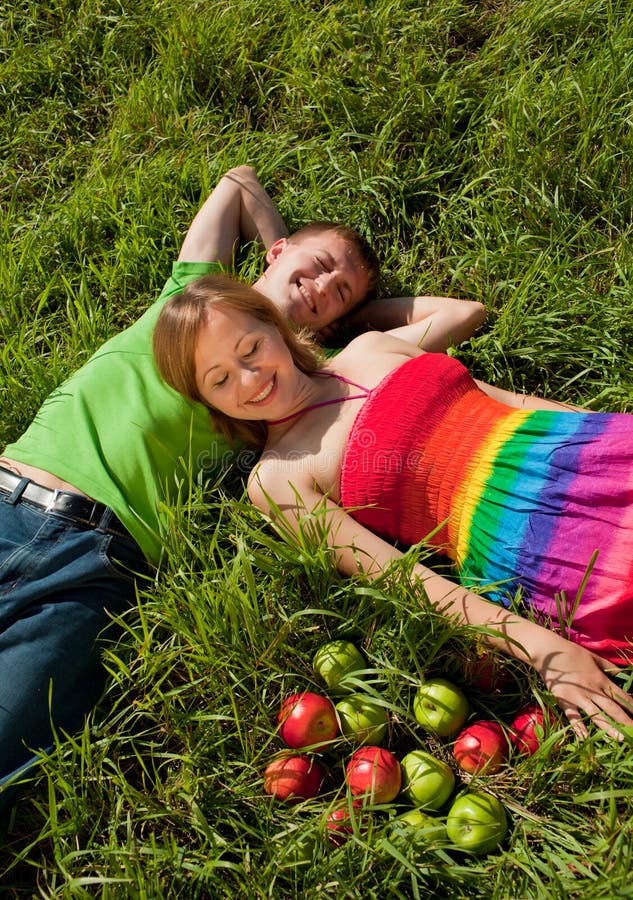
463	428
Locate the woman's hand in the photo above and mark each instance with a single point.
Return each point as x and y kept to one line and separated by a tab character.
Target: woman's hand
579	682
576	677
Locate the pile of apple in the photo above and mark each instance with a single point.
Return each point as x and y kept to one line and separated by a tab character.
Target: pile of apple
310	722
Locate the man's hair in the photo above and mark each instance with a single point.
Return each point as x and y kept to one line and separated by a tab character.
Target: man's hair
176	333
368	257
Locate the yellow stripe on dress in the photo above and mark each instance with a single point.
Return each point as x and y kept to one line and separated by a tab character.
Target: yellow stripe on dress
469	494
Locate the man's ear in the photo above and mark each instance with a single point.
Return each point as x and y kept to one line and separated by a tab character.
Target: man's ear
276	249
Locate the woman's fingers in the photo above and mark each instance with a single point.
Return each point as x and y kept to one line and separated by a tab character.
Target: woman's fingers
575	719
613	699
614	713
580	682
607	707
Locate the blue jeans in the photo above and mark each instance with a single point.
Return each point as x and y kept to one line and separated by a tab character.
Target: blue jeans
60	584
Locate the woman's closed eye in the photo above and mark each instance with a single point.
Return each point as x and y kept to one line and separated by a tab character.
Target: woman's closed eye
253	350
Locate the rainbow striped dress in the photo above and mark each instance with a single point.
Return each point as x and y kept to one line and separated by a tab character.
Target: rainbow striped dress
518	499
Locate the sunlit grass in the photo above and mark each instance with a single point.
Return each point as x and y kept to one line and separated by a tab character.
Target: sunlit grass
485	149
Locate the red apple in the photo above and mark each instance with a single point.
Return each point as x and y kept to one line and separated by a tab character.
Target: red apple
528	728
293	778
486	672
339	821
374	773
307	720
481	747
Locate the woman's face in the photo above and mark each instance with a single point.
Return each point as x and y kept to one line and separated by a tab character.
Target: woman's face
243	366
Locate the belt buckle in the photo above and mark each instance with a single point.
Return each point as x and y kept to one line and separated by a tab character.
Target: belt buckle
96	514
50	506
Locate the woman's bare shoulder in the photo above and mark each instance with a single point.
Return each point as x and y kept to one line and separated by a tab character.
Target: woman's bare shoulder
279	478
378	342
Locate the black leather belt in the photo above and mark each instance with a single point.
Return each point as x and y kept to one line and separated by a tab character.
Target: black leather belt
67	505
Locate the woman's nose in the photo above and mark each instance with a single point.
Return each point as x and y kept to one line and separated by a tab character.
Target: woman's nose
250	372
250	381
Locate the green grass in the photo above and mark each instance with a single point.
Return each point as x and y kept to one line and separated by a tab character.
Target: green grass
485	149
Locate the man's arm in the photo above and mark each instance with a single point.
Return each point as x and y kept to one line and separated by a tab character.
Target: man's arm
432	323
238	209
527	401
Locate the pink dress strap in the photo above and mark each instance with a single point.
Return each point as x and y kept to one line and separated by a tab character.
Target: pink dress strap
365	393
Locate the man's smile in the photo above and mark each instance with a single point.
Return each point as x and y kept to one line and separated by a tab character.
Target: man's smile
306	297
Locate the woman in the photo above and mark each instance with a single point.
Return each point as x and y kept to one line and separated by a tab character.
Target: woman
516	490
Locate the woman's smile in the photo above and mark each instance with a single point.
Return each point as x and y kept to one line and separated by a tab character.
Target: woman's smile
265	393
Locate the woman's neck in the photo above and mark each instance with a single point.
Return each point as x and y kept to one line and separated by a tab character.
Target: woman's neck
325	389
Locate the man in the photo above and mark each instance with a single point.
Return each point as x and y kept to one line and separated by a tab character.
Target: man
319	275
315	276
81	490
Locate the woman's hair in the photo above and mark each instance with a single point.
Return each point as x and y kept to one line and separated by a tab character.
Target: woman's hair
176	333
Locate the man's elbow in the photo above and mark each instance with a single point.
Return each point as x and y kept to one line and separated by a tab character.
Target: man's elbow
241	173
474	315
479	312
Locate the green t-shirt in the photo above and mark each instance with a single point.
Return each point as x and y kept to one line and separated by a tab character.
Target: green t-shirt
119	434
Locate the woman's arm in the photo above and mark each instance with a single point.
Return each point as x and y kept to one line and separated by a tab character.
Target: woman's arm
432	323
238	209
576	677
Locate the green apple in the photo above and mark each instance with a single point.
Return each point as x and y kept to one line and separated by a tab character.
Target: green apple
427	781
477	822
440	707
362	719
298	850
415	830
335	662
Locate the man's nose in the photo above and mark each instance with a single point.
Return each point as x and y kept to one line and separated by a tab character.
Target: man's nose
325	281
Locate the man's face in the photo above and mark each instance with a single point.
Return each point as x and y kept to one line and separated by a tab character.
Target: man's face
314	282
